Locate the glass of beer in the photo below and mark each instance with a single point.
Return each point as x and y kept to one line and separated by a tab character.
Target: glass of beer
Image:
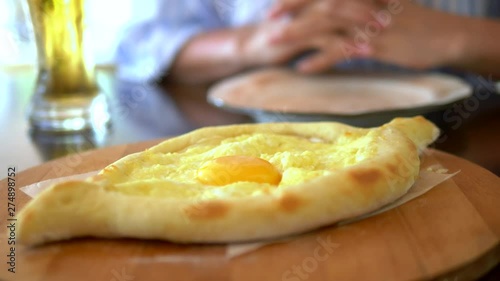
66	97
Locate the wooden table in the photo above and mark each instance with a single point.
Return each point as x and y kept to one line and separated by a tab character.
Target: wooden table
145	112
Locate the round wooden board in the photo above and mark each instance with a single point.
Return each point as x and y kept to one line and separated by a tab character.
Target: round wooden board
449	233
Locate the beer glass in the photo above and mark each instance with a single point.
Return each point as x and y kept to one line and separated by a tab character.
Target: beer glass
66	96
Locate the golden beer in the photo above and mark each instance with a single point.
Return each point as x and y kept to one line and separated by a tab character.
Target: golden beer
66	88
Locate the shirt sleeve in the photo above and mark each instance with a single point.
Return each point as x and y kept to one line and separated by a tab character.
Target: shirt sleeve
147	49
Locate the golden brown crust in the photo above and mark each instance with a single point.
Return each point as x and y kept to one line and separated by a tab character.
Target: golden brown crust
366	176
290	203
207	210
89	208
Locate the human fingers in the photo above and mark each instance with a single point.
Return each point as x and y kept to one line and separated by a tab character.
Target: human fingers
261	49
283	7
307	27
325	17
354	9
331	51
359	11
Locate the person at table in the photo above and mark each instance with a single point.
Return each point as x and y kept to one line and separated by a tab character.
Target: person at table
197	41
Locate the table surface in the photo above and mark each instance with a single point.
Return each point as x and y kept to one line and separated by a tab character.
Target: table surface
143	112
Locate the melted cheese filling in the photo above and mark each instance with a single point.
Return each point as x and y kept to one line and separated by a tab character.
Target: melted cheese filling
297	159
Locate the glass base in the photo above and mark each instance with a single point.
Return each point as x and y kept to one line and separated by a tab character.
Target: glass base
52	145
69	114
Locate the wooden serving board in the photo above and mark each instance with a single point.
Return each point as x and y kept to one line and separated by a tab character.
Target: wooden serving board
450	233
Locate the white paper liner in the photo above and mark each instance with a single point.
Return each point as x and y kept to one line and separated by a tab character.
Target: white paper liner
428	178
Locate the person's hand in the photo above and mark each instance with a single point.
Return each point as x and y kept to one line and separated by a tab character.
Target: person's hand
420	38
320	25
255	45
328	25
360	10
397	32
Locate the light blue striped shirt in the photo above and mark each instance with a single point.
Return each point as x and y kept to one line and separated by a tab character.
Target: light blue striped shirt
148	49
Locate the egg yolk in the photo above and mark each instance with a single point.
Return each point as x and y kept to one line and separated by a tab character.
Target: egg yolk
229	169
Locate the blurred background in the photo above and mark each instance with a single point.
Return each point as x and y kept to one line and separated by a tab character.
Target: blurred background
17	46
143	111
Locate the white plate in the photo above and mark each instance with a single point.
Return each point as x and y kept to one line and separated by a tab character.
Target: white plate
354	98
